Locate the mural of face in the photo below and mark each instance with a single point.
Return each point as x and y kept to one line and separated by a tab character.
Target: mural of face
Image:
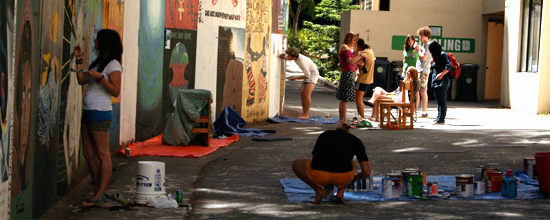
22	114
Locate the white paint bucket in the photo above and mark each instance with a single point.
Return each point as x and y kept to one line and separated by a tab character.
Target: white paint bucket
387	185
149	181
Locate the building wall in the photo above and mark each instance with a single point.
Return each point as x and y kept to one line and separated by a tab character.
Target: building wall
458	19
515	84
492	6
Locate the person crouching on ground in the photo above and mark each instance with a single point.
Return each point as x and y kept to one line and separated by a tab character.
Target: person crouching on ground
311	74
332	163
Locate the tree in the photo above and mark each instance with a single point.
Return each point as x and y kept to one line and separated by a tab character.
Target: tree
307	6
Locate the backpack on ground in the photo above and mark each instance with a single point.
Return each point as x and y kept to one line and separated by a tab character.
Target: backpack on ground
454	73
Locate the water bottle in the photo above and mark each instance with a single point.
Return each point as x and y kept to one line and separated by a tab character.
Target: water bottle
509	187
327	117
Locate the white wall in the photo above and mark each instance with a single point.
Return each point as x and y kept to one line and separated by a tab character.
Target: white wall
130	60
459	19
274	75
544	65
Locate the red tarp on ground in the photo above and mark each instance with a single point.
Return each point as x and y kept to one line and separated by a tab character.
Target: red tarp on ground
154	147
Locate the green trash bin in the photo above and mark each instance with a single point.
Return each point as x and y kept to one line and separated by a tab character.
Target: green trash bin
467	83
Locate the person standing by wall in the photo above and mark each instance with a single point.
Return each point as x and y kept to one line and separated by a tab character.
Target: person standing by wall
366	75
103	80
332	163
410	55
345	92
423	66
311	74
440	80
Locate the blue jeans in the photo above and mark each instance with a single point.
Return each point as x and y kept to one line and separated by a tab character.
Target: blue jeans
440	94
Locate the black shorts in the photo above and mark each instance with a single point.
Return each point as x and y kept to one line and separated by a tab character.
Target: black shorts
361	87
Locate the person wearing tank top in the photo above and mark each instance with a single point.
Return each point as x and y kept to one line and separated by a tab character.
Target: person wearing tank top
346	85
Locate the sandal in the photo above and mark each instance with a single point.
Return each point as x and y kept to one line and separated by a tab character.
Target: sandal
88	204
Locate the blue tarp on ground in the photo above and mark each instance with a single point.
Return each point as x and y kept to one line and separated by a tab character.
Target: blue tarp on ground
314	120
298	191
230	122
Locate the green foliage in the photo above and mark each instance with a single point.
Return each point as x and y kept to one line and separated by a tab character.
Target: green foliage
320	41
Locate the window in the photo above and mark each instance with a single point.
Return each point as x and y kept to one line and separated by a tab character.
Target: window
530	43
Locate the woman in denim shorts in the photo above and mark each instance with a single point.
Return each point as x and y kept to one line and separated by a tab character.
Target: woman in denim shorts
103	79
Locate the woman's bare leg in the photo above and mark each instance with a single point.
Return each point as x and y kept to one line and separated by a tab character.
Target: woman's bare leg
359	102
103	154
89	152
299	166
307	89
342	110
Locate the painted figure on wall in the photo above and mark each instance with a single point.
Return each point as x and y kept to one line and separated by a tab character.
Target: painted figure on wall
230	68
23	112
182	14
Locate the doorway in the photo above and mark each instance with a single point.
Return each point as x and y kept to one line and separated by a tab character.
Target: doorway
495	38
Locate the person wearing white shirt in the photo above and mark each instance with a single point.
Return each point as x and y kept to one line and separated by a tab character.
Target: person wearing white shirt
310	77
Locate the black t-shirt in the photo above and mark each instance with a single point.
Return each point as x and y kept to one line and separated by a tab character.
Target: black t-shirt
334	151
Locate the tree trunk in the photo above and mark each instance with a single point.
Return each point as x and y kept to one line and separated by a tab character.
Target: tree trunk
296	17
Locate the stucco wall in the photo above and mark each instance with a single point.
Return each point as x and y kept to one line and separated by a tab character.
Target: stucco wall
492	6
544	65
459	19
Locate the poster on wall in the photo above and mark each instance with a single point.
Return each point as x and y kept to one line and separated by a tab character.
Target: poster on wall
230	68
6	59
182	14
258	42
229	13
179	65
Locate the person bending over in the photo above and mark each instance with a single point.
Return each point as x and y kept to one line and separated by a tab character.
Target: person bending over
332	163
380	94
310	77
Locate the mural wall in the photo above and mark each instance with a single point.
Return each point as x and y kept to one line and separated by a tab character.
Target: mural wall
150	120
258	43
230	68
6	88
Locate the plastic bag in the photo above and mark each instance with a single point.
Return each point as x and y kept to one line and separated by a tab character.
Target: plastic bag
162	202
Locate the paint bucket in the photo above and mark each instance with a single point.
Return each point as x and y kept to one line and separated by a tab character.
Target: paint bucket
464	185
493	182
150	181
397	176
433	188
479	188
478	173
407	172
414	185
388	188
530	167
543	161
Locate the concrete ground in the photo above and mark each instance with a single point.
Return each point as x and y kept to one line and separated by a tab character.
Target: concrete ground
241	181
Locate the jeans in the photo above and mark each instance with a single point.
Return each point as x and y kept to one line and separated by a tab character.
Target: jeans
440	94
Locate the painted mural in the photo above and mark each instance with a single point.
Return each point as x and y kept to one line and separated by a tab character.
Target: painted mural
182	14
150	121
230	68
179	65
25	80
6	88
258	33
228	13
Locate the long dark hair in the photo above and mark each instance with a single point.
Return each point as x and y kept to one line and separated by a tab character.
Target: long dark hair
109	48
407	47
361	43
435	49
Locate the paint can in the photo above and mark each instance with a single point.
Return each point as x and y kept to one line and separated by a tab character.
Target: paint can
478	173
407	172
493	182
396	175
432	188
127	152
484	172
530	167
479	188
414	185
464	185
390	188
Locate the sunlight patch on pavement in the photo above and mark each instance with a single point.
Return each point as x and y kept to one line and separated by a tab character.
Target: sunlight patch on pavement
226	192
314	132
307	128
508	214
467	142
384	205
224	205
408	149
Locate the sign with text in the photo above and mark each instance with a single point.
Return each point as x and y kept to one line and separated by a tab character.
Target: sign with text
454	45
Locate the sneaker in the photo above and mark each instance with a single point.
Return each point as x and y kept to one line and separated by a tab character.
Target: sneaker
435	122
424	115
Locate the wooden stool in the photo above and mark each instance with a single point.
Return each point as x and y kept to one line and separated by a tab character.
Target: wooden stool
205	119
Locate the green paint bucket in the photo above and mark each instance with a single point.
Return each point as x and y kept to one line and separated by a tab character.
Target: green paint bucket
414	185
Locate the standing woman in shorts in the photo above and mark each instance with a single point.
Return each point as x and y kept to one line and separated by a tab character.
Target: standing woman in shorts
366	75
346	85
103	80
